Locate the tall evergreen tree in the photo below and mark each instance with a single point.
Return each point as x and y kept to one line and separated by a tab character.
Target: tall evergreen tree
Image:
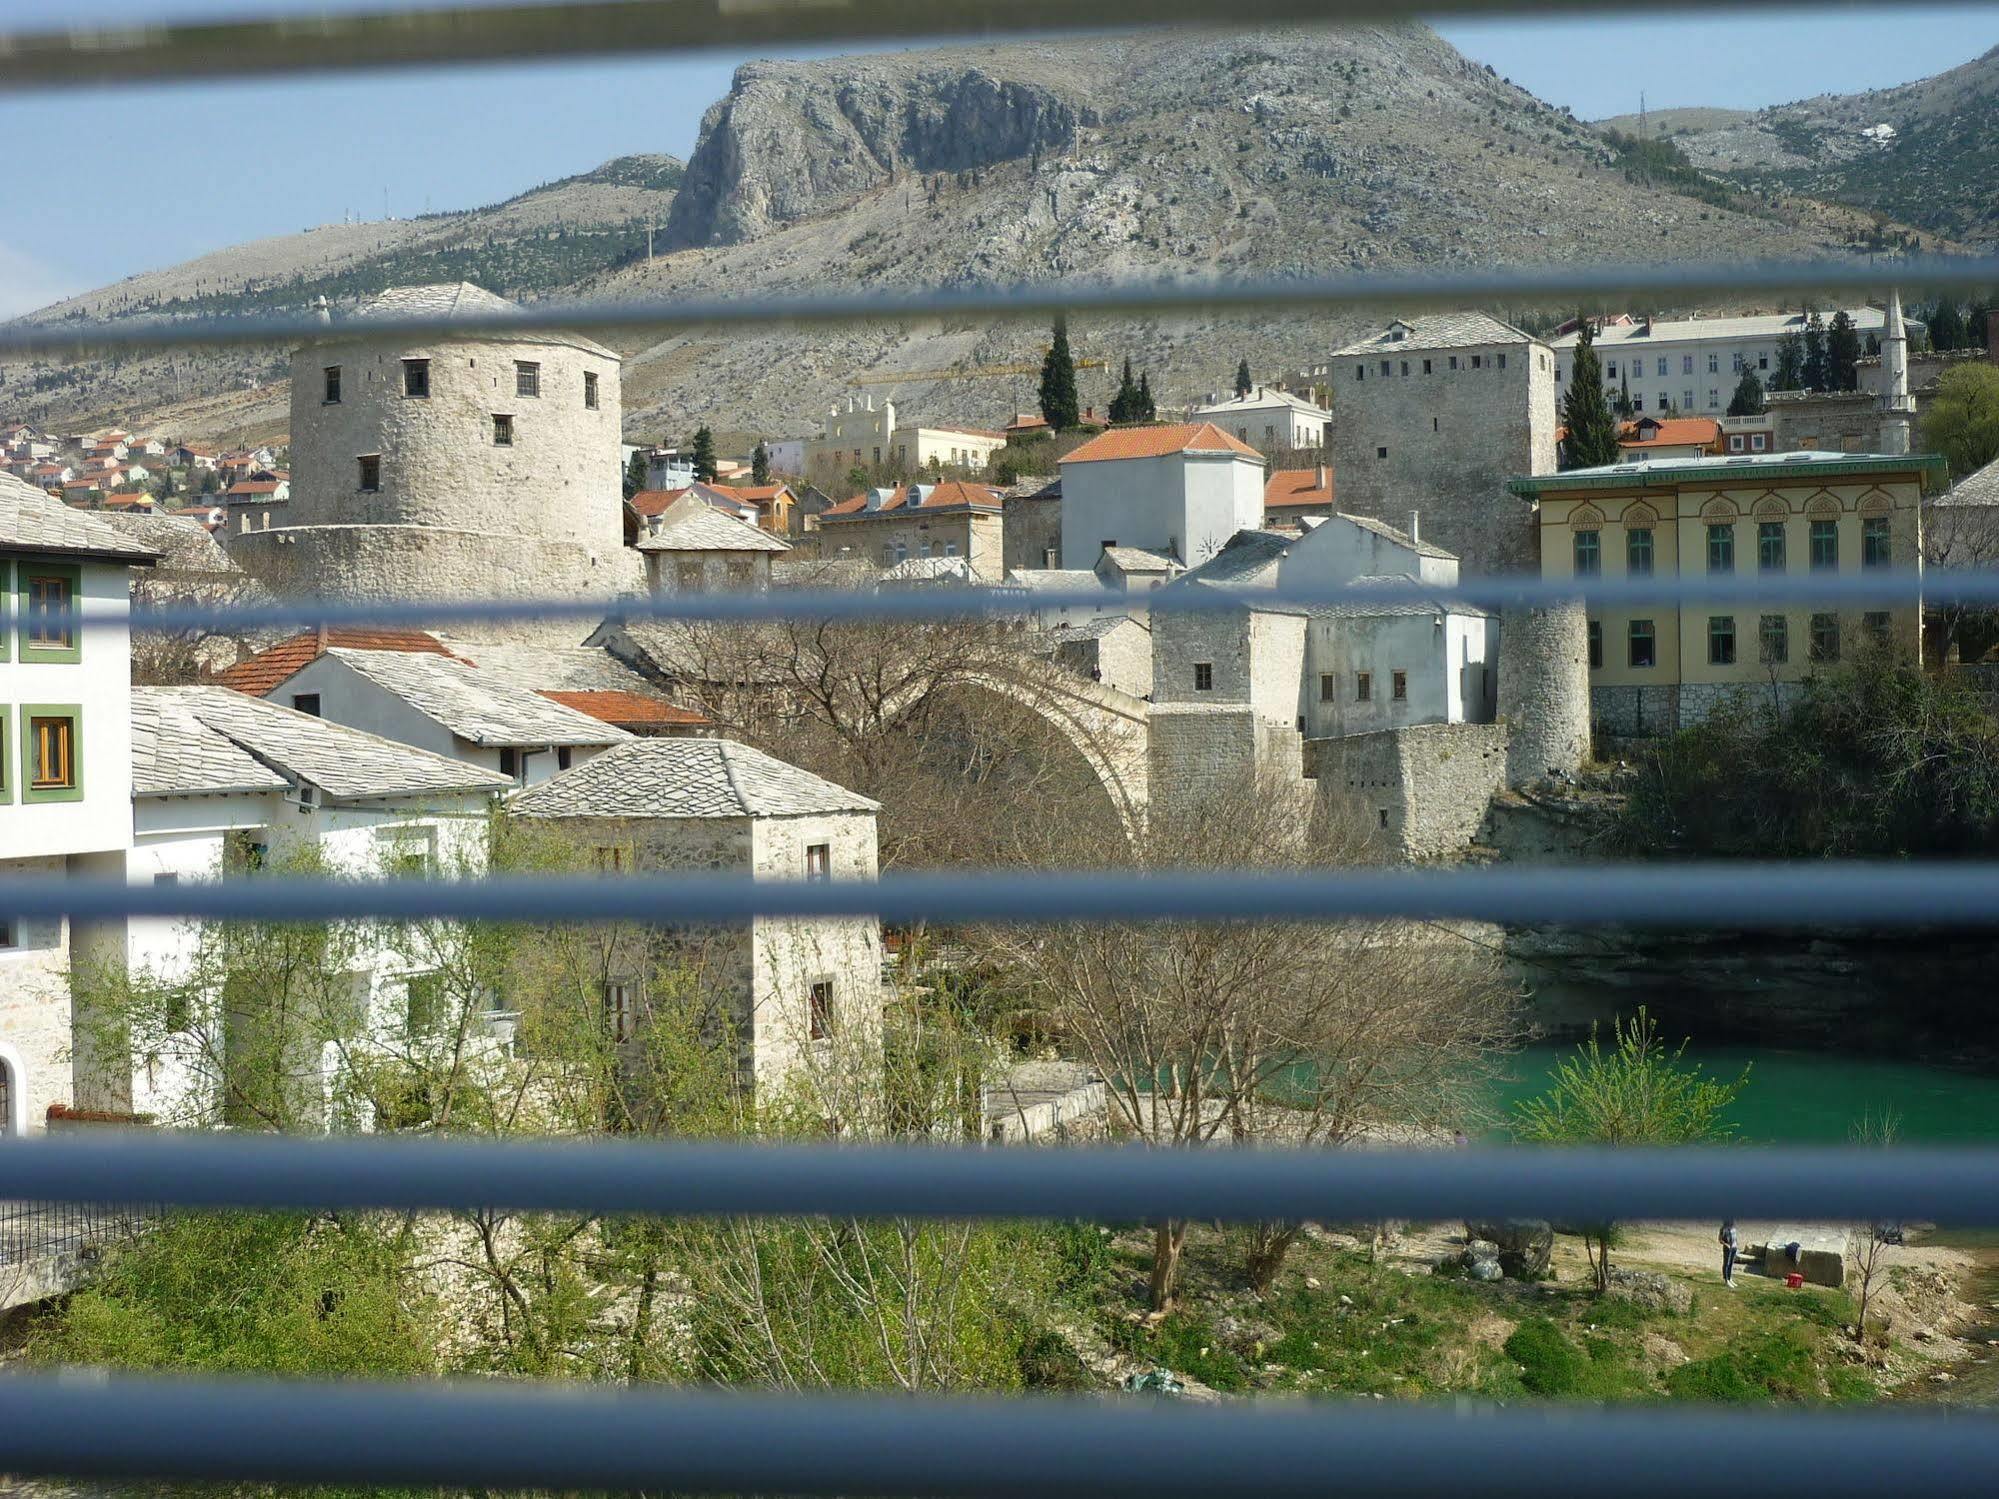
1842	353
1243	384
1748	398
1124	405
1818	371
1148	409
1624	407
1058	382
760	464
1592	436
704	455
1790	371
635	475
1947	330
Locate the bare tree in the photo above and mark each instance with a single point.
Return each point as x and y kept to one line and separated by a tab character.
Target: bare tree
1264	1033
1872	1240
1961	535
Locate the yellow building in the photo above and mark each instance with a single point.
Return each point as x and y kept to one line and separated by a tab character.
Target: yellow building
1655	666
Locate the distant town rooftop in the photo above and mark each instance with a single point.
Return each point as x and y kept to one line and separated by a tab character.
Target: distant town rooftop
1765	466
1444	330
1770	325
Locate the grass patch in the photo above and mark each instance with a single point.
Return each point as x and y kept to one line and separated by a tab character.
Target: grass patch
1777	1366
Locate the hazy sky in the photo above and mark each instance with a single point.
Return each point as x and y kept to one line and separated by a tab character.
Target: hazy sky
130	179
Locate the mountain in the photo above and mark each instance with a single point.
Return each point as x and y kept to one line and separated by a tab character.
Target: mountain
1936	165
1270	155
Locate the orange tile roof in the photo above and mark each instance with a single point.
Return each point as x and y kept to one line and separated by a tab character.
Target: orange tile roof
758	491
649	502
944	496
1674	431
254	486
1297	488
1157	442
260	673
627	710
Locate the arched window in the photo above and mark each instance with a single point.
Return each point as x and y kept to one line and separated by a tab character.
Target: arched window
13	1095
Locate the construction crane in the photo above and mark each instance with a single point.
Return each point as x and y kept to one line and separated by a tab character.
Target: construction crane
976	372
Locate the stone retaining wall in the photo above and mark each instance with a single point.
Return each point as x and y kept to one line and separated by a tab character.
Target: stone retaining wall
1420	792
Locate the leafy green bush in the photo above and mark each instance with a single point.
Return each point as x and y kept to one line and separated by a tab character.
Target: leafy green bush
1874	760
1549	1363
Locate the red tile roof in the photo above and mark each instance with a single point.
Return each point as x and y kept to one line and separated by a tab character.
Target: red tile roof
627	710
1298	489
947	495
1157	442
260	673
650	502
758	491
254	486
1674	431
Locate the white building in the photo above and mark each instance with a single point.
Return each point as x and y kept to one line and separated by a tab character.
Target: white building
1694	364
797	987
446	706
1271	419
65	761
1181	491
868	436
222	784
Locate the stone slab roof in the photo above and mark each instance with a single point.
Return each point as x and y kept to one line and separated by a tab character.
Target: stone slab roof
211	731
32	520
1979	487
686	778
1054	578
692	525
1401	538
451	299
1639	333
1245	557
1139	560
1444	330
474	707
1262	398
184	544
548	668
1364	609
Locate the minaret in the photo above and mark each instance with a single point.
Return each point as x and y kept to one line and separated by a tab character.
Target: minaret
1897	410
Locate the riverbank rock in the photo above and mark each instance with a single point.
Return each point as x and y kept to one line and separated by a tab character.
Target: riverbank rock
1478	1260
1651	1290
1524	1245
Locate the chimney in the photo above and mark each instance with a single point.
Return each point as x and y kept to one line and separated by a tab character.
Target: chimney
1415	525
1323	479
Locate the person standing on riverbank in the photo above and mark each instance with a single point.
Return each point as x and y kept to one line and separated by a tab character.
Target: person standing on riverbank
1729	1245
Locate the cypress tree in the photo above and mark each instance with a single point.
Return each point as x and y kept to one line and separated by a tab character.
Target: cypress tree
1947	329
1124	405
1842	353
1818	372
1148	409
760	464
1058	382
704	455
1592	439
1748	399
1243	384
1624	407
635	475
1790	371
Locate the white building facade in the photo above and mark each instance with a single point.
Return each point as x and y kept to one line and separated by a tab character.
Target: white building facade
1269	419
1180	491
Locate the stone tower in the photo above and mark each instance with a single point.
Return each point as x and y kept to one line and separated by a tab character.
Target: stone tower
450	465
1435	414
1544	690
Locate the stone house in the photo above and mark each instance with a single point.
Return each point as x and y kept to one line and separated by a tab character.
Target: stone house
222	784
1031	528
1115	650
1181	491
1292	495
867	436
447	706
65	762
691	547
1270	419
1654	668
795	986
887	526
1435	415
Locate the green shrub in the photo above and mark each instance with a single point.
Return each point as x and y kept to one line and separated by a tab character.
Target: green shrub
1772	1366
1549	1363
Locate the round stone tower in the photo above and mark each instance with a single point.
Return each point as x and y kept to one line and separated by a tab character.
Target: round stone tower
1544	691
451	465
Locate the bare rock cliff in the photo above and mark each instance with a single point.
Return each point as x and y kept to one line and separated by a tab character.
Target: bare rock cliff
794	141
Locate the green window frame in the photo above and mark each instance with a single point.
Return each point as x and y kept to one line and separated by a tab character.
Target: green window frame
1773	640
1638	552
1721	640
1721	548
1825	546
1825	637
1770	546
26	575
1875	548
1588	554
6	758
72	790
6	608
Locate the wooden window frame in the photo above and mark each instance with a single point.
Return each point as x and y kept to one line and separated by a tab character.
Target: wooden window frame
1398	686
362	464
72	791
527	379
592	401
819	997
25	574
330	392
818	862
1363	686
503	430
416	372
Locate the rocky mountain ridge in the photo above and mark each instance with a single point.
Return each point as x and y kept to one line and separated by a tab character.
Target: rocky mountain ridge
1270	155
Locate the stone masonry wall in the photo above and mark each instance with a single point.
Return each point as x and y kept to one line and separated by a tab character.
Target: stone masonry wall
1033	527
34	1006
1544	695
1419	793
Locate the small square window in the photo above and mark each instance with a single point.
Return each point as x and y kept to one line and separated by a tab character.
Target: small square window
332	396
1773	640
620	1010
1398	686
306	702
371	474
1363	686
1381	452
1204	676
819	1010
819	861
590	390
503	431
416	378
527	378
